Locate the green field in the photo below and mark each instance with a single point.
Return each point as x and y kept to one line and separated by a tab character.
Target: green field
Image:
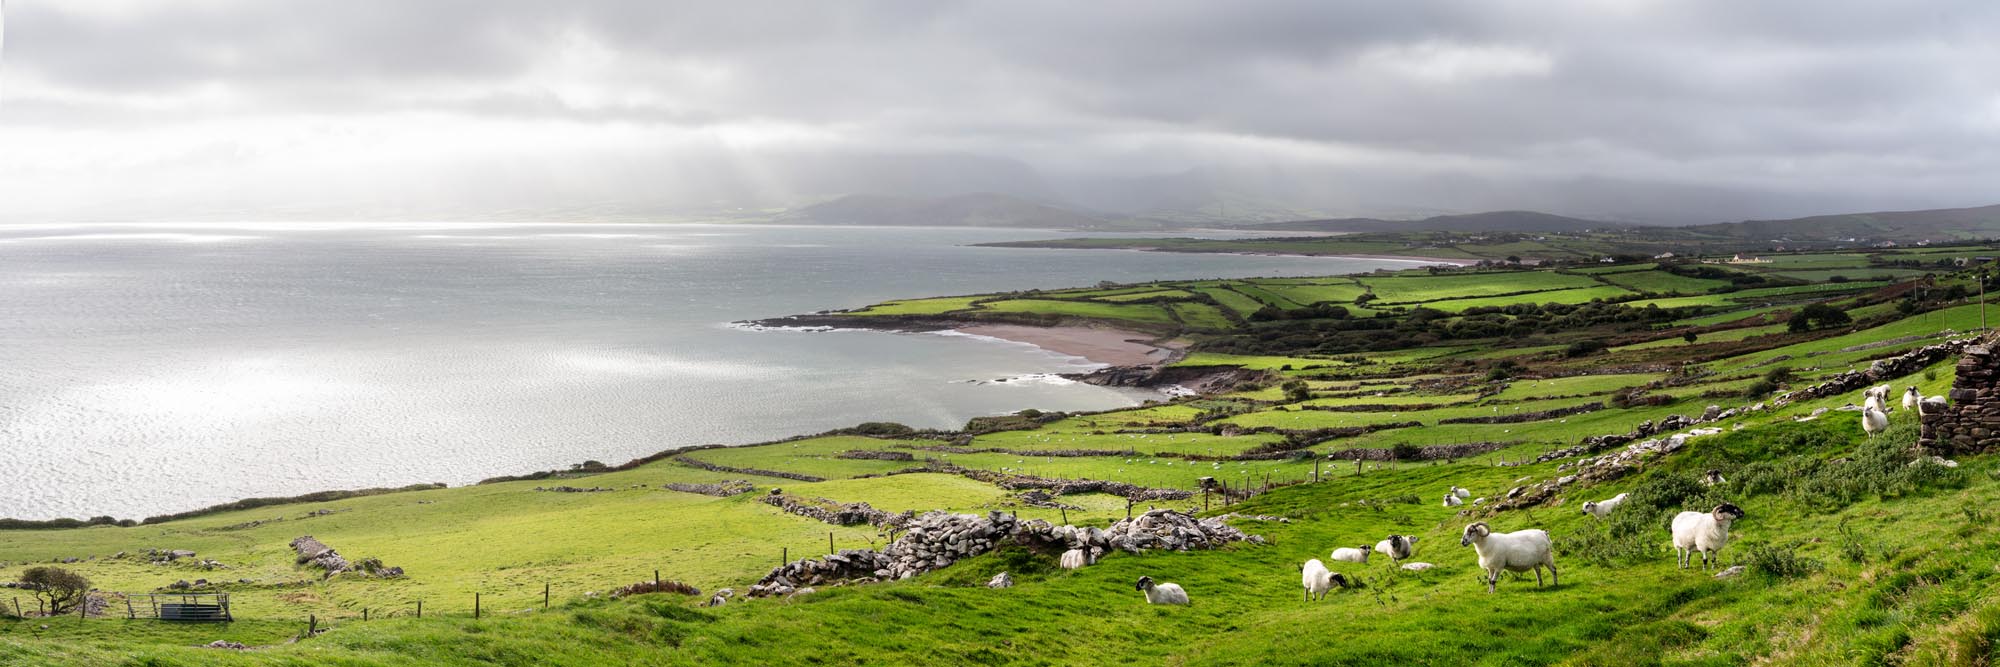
1853	553
1661	282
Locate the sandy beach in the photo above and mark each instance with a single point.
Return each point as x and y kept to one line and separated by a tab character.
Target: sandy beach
1102	345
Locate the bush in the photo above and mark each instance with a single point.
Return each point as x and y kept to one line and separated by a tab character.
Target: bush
1779	560
60	589
1759	389
1583	348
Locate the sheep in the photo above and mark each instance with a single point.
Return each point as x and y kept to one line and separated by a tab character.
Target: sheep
1352	555
1318	580
1703	532
1879	392
1162	593
1417	566
1397	547
1603	508
1462	493
1479	501
1518	551
1874	421
1451	500
721	597
1712	478
1075	559
1912	400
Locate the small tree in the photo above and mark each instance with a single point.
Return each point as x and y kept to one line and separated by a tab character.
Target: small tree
1297	390
1689	337
60	588
1818	316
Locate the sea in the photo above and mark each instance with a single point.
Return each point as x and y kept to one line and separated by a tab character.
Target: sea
155	368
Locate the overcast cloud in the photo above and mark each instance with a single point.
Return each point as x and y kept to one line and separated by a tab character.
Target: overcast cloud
441	109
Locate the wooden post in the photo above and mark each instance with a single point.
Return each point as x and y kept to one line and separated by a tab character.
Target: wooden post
130	613
312	624
364	613
656	579
420	609
545	595
829	541
1065	514
1315	471
17	607
475	605
1204	499
784	556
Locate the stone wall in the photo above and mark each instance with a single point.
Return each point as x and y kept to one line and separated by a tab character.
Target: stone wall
1970	423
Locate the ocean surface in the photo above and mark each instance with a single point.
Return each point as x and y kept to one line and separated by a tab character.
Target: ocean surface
147	369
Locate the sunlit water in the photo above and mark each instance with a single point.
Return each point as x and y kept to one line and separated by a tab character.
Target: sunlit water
154	368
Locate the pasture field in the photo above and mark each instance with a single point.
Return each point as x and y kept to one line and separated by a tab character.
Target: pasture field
1854	552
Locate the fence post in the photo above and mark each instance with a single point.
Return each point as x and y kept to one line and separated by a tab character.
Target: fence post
829	541
475	606
364	613
656	579
312	624
784	556
1065	514
420	609
545	595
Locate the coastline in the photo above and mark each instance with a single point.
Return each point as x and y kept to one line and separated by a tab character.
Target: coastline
1103	345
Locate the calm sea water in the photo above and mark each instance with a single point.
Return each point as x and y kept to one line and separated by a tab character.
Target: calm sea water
155	368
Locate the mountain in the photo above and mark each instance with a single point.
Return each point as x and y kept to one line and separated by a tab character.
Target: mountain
1492	221
1903	226
984	209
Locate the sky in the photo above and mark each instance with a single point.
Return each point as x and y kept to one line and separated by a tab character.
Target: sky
1653	111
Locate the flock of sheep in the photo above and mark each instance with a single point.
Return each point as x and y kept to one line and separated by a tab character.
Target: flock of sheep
1875	407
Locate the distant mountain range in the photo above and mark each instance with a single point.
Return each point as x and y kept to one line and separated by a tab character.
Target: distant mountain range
1002	210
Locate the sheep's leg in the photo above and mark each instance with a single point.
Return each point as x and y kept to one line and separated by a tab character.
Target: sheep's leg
1492	580
1538	576
1555	580
1682	556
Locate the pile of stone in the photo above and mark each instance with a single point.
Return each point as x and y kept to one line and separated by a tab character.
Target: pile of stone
373	567
1428	453
1064	487
573	489
1042	499
722	489
645	587
875	455
1518	417
1968	423
935	540
833	512
319	555
224	644
167	555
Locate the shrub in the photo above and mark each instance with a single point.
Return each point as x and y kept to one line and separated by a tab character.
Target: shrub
1583	348
1759	389
1779	560
61	589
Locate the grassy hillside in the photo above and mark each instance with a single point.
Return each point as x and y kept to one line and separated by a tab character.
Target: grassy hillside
1853	554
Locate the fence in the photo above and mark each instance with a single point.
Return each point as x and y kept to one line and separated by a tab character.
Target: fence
187	607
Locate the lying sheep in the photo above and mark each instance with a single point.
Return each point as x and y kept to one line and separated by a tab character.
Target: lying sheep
1452	500
721	597
1162	593
1352	555
1712	478
1074	559
1874	421
1703	532
1461	493
1602	509
1518	551
1397	547
1318	580
1417	566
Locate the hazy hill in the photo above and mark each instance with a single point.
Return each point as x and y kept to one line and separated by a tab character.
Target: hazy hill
983	209
1933	224
1492	221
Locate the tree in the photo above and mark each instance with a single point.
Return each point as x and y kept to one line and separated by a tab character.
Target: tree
1818	316
1297	390
1513	259
60	588
1689	337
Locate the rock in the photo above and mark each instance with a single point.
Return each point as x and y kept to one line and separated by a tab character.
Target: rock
1001	580
1417	567
1733	571
223	644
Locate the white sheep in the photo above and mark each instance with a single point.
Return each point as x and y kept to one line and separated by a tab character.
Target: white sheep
1518	551
1352	555
1713	477
1074	559
1603	508
1874	421
1162	593
1451	500
721	597
1397	547
1462	493
1318	580
1703	532
1479	501
1912	400
1879	392
1417	566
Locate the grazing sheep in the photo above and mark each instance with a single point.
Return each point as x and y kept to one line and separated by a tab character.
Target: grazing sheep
1518	551
1462	493
1417	567
1879	392
1713	477
1874	421
1397	547
1703	532
1075	559
1451	500
1912	400
1352	555
721	597
1603	508
1162	593
1318	580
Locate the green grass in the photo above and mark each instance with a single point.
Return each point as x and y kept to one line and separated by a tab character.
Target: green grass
1202	316
1256	362
1567	296
1146	313
1234	300
1414	289
919	306
1661	282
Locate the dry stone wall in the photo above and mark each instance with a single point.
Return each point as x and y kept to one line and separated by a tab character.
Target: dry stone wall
1971	422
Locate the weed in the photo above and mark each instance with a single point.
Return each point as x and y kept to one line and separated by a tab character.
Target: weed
1780	560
